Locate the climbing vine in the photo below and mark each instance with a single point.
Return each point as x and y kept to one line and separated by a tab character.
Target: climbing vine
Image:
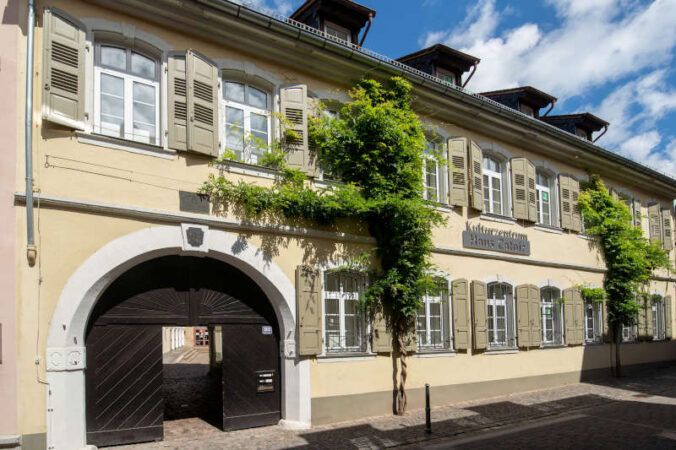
376	145
630	258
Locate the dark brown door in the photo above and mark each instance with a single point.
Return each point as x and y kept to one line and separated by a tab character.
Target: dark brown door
124	384
251	379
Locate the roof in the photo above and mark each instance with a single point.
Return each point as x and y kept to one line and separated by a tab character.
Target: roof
445	56
585	120
356	7
528	93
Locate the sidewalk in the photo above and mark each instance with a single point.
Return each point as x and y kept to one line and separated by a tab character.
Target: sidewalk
633	412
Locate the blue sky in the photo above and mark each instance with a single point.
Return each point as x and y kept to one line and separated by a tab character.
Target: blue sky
613	58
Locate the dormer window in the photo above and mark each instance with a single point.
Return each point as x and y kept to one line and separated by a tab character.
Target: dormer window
337	31
527	110
447	76
581	133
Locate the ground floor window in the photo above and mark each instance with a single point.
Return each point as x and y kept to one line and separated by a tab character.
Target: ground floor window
629	333
500	305
432	324
593	322
658	318
344	322
552	316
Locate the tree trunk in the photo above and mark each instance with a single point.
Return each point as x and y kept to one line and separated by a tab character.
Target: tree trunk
617	333
401	390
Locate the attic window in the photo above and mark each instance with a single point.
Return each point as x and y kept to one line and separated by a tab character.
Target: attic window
581	133
337	31
447	76
527	110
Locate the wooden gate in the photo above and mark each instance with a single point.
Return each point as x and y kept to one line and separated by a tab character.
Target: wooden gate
124	346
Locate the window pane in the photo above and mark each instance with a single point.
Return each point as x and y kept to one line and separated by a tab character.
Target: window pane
259	122
234	130
114	57
144	112
144	93
112	85
258	98
332	282
142	66
234	91
332	306
350	307
112	105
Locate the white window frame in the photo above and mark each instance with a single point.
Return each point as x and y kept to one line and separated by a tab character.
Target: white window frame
594	311
128	80
445	329
494	302
330	25
540	188
490	175
557	313
430	158
342	296
629	333
247	110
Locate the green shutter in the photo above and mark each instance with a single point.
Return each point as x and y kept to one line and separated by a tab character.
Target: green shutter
668	318
520	191
480	322
202	104
293	106
637	213
668	242
535	315
461	314
523	315
309	303
381	339
177	101
655	223
457	158
63	70
476	176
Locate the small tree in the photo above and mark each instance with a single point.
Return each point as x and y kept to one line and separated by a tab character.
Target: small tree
376	146
630	258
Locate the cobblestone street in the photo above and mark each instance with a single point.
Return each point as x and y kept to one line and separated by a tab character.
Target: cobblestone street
637	411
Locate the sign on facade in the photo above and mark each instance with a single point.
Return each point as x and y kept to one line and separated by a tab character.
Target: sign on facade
480	237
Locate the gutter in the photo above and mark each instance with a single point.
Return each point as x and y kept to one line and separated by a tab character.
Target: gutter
31	249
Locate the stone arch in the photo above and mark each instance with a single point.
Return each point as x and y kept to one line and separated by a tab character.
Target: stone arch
65	342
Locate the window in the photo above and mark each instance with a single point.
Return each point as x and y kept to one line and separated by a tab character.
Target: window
593	322
552	316
543	186
658	318
447	76
629	333
432	319
492	186
127	94
527	110
343	320
247	121
581	133
337	31
500	305
432	171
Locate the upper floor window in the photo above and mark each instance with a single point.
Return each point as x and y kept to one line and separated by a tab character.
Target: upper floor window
593	322
527	110
127	100
658	317
543	185
337	31
432	178
552	316
500	313
344	322
493	189
247	121
432	324
447	76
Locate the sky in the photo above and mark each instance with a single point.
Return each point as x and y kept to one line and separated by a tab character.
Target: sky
613	58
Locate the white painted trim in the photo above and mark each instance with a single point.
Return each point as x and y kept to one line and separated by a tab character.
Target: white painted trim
121	144
66	397
345	358
443	354
547	229
253	170
499	219
507	351
550	283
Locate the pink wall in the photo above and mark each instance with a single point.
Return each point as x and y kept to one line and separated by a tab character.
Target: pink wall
10	37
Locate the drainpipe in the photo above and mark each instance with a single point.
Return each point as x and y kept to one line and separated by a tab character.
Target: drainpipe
470	75
605	128
31	250
550	108
366	31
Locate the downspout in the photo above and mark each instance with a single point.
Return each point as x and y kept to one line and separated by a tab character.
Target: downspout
471	74
366	31
31	250
605	128
550	108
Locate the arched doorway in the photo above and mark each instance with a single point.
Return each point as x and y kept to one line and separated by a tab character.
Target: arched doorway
124	377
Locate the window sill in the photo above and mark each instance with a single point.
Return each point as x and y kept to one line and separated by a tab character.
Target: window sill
585	236
125	145
496	218
344	357
552	346
242	168
501	351
549	229
593	343
442	207
434	353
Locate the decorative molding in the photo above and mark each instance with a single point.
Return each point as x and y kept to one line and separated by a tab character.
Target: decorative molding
288	348
550	283
497	278
195	237
61	359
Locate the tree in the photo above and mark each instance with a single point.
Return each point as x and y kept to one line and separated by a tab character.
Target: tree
376	146
630	258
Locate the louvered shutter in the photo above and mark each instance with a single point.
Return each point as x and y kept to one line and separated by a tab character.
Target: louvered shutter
576	218
293	106
655	223
668	318
524	195
457	157
381	339
177	101
649	323
569	315
569	192
64	90
523	315
461	314
535	316
480	322
579	316
637	213
202	104
668	242
642	318
309	304
476	176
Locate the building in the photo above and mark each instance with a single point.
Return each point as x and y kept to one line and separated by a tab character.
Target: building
131	102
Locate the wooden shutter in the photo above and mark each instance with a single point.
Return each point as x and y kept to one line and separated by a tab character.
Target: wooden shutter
569	192
576	218
480	322
381	339
637	213
668	242
642	318
523	315
655	225
293	106
476	176
569	315
461	314
202	104
579	315
649	324
668	318
458	183
524	194
535	315
309	304
177	101
532	193
64	90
